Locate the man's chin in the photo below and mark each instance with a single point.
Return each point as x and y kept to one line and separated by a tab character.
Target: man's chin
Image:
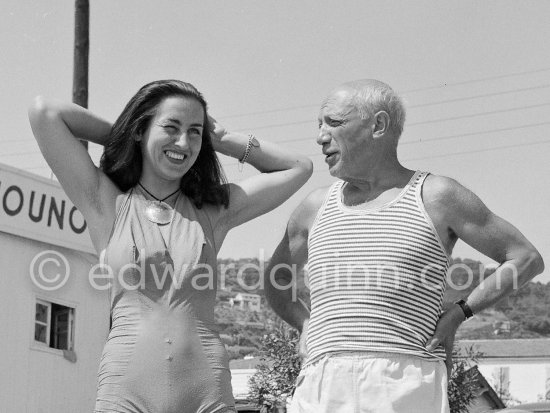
334	170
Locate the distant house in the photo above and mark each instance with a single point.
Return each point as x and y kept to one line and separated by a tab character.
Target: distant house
246	301
501	327
518	369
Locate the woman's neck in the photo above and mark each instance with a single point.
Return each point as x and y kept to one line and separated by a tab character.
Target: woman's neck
159	189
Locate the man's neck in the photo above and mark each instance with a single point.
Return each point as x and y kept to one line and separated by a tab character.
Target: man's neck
382	177
382	184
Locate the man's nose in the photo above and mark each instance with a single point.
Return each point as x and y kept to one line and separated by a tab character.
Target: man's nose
323	136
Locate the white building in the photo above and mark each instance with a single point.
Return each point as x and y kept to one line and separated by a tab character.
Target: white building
518	368
54	322
246	301
241	372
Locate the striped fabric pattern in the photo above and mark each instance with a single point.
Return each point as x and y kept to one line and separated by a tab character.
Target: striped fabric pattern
377	276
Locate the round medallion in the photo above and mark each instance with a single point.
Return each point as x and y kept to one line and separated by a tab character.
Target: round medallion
158	212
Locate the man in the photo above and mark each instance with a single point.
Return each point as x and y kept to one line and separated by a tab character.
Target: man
377	245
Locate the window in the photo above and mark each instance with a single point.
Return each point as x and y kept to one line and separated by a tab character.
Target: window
42	322
54	325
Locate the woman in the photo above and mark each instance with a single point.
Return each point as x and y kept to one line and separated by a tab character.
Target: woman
158	210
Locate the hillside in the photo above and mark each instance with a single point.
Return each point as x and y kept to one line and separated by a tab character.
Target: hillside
524	314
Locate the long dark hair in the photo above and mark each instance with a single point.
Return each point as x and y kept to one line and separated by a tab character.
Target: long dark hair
122	158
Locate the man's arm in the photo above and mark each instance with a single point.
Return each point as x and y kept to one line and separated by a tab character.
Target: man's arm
476	225
288	260
467	218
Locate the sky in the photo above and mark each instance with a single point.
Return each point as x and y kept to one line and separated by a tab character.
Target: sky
475	76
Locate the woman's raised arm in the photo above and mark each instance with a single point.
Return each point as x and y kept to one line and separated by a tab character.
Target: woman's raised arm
283	172
58	127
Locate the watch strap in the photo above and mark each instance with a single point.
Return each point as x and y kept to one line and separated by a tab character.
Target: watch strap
468	313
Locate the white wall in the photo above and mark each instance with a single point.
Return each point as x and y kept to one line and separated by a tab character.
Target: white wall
527	377
239	382
35	379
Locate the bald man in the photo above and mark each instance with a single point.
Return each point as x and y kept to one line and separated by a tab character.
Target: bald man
377	245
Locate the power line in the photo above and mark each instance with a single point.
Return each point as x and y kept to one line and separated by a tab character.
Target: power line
17	140
475	115
412	124
438	138
436	120
278	125
4	155
422	89
303	122
541	142
264	112
486	95
35	167
446	137
446	155
483	79
462	135
544	86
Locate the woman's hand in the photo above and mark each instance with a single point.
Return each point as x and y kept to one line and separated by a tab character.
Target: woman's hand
283	172
217	131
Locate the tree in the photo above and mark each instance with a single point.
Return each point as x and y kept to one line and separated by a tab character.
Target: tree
274	380
463	384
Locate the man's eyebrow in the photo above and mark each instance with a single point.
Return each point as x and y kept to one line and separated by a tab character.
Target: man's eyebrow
333	115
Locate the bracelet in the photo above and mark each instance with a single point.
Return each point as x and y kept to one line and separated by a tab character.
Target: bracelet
252	141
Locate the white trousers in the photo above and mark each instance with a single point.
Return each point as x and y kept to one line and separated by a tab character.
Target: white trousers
371	383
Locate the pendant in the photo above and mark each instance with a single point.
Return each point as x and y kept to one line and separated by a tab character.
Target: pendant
159	212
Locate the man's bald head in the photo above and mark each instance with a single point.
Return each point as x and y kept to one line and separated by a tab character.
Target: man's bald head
370	96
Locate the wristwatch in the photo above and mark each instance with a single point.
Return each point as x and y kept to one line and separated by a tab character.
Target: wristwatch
468	313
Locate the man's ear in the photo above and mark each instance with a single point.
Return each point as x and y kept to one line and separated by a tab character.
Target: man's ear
381	124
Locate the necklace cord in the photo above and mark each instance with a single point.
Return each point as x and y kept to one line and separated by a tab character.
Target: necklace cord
159	200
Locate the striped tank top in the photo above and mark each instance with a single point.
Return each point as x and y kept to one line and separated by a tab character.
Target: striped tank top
376	276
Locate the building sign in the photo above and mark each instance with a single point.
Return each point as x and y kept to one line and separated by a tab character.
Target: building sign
37	208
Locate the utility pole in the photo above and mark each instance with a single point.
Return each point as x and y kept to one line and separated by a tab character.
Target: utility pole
81	54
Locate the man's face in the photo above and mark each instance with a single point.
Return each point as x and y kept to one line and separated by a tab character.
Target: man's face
345	137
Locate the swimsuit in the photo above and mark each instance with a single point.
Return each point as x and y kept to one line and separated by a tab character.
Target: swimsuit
163	354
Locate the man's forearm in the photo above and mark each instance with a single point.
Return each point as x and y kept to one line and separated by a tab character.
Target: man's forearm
281	295
294	313
508	277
